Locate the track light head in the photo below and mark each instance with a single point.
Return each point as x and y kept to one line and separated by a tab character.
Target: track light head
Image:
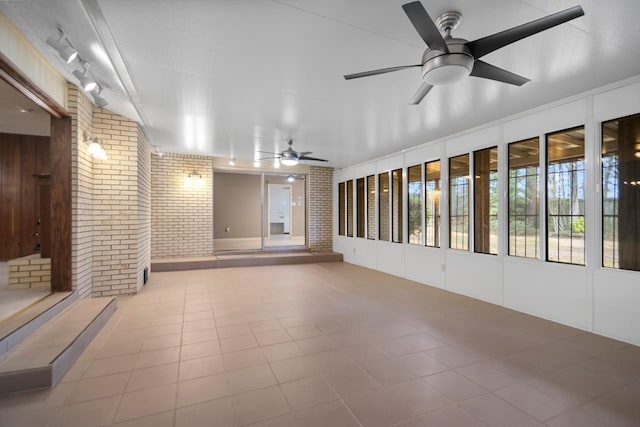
87	82
65	50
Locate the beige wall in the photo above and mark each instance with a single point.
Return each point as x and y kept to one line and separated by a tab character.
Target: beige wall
181	216
236	197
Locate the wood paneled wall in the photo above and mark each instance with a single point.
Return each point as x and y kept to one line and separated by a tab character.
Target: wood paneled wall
24	159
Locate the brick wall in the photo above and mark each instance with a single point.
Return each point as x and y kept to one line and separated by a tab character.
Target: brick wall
181	216
30	271
319	208
144	206
81	111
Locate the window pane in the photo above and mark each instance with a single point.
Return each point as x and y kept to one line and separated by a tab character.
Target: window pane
432	203
371	207
350	208
565	196
459	202
383	206
341	202
396	182
360	207
485	166
415	204
524	184
621	193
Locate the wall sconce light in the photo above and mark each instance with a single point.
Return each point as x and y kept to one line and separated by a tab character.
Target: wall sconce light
290	178
95	147
194	179
63	46
232	162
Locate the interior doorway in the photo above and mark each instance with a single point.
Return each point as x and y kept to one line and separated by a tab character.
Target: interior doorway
258	211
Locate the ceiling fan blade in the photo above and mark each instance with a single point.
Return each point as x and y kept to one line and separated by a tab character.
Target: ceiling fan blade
423	90
488	71
425	26
488	44
267	152
315	159
380	71
269	158
304	153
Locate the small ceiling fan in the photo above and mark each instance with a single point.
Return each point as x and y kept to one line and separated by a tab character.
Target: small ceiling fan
290	157
447	59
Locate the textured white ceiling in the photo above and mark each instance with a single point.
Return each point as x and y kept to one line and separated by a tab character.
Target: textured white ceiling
227	78
20	115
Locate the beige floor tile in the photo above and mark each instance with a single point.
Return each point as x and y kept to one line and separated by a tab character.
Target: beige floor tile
156	331
264	326
494	411
153	376
213	413
575	418
94	388
251	378
201	367
387	372
146	402
421	364
619	408
308	392
455	357
167	320
293	369
163	419
86	414
110	365
330	360
454	385
418	396
234	331
334	414
316	344
258	405
163	356
282	351
237	343
350	381
363	352
196	325
275	336
302	332
489	378
288	420
201	335
200	349
162	341
198	315
532	401
202	389
453	416
243	359
379	408
573	385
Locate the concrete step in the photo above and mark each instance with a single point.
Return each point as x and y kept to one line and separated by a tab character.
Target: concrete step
42	358
243	260
18	327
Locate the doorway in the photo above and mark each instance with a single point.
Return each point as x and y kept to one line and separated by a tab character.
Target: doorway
258	211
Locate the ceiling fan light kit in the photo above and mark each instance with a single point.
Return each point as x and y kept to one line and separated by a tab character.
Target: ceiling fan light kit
448	60
290	157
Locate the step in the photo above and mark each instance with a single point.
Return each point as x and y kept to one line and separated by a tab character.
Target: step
42	358
18	327
243	260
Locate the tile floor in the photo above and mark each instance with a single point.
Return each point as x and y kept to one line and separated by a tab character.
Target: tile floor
331	345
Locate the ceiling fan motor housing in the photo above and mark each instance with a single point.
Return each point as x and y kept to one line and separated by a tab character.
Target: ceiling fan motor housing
440	68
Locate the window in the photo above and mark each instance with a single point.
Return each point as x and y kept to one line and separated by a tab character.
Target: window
432	203
621	193
524	183
383	206
360	207
485	191
341	203
459	202
350	208
371	207
565	196
396	194
414	212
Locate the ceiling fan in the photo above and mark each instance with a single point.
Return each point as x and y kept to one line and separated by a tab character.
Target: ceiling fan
290	157
447	59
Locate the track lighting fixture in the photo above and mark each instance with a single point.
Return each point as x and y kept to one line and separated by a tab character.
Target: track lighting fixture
87	82
63	46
